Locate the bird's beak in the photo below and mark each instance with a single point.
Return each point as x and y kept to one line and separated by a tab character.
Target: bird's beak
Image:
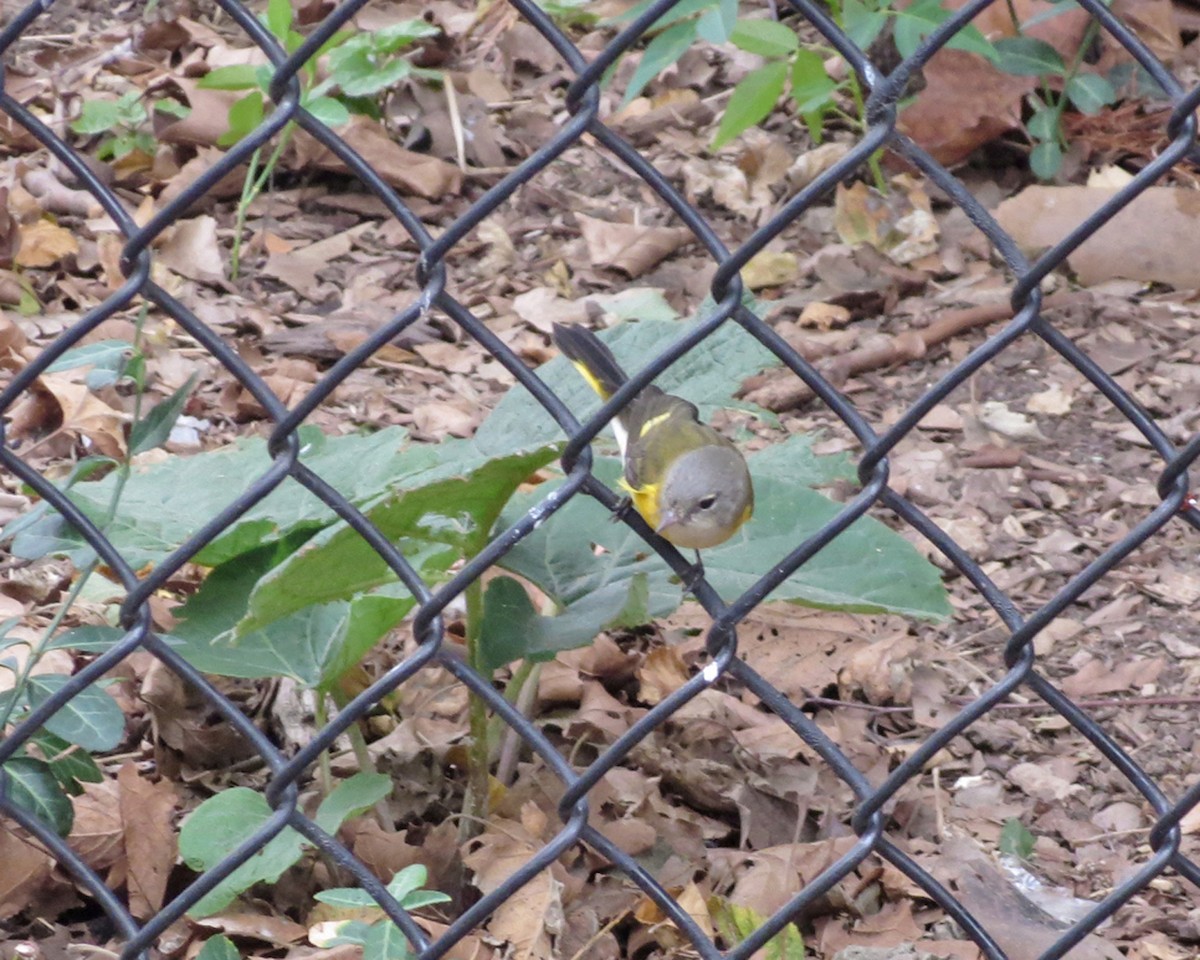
666	519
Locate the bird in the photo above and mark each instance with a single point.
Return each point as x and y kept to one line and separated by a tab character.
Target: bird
689	483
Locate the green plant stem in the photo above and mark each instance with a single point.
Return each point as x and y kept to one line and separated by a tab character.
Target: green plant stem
123	469
476	805
320	717
252	186
860	107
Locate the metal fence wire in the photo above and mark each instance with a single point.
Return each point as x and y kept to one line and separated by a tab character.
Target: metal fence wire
581	100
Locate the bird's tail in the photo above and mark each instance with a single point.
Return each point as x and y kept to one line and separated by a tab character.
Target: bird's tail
591	357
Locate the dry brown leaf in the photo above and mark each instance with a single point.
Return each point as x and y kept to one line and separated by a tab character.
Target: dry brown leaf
630	247
1097	677
660	674
26	871
438	418
899	224
193	251
1149	239
408	172
97	834
277	930
542	306
298	268
1037	780
44	243
823	316
529	917
57	404
147	810
1055	400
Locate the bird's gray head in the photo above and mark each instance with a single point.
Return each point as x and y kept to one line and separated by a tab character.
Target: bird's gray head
705	496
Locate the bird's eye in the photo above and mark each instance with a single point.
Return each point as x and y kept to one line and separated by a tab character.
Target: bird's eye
707	502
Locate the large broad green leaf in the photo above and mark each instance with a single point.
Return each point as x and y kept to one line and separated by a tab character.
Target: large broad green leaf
600	574
708	376
453	502
163	504
868	568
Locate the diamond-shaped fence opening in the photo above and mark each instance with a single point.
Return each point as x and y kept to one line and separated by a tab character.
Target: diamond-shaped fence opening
1022	684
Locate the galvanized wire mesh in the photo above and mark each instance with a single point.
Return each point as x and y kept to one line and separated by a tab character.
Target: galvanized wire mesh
582	101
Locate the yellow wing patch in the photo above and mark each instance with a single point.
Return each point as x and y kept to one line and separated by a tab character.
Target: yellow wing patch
654	422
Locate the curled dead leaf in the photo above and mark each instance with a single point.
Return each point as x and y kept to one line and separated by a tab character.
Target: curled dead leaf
630	247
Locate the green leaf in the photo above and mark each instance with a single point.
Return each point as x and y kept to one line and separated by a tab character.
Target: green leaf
242	76
752	101
219	825
1028	57
32	787
219	947
377	77
1045	160
244	115
812	88
423	898
513	630
70	764
279	18
350	932
154	428
1090	92
386	942
560	556
172	108
103	354
89	639
222	822
707	376
917	21
736	922
1043	125
867	569
314	645
351	798
659	54
861	23
331	112
407	881
96	116
130	109
346	897
91	718
162	504
1016	840
685	8
403	33
716	24
767	38
449	493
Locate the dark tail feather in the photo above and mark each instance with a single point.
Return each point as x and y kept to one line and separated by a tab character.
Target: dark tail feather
595	360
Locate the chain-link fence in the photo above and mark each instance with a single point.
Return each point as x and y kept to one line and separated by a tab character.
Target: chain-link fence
581	100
